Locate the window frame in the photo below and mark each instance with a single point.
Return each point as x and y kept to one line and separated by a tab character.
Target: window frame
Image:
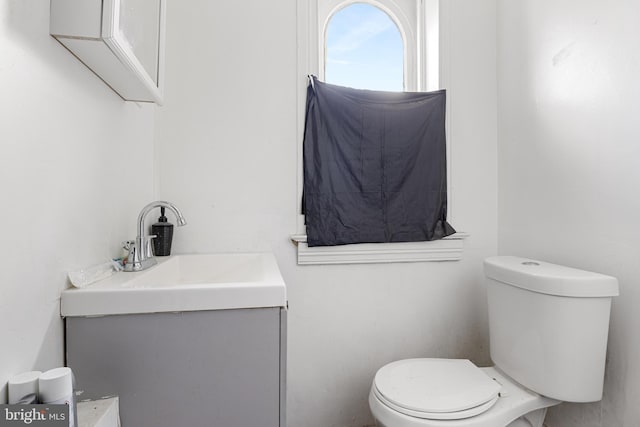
430	72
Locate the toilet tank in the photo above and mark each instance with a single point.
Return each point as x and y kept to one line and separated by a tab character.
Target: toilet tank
548	326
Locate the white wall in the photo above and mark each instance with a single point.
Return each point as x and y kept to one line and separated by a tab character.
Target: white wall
227	148
226	152
569	102
70	194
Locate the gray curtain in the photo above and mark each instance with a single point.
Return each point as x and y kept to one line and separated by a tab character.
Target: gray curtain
374	166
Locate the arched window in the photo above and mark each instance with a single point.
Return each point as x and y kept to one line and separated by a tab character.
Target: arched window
364	49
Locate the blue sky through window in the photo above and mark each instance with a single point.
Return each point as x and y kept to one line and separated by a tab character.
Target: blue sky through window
364	49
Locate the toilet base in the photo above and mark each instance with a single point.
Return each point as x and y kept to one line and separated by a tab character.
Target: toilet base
532	419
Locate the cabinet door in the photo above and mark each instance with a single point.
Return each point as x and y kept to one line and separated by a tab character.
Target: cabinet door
196	369
139	28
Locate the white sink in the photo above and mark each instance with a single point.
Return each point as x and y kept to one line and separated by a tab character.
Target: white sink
183	283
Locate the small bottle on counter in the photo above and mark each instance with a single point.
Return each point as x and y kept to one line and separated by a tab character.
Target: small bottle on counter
164	235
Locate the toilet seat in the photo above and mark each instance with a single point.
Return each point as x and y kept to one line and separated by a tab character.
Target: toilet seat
438	389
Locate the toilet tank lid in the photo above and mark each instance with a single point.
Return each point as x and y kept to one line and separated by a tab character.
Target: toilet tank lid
551	279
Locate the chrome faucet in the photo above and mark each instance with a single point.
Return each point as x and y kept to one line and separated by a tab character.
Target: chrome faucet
141	251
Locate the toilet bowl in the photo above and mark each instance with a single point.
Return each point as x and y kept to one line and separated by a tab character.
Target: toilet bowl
548	328
474	397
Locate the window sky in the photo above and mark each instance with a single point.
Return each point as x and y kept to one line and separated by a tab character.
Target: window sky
364	49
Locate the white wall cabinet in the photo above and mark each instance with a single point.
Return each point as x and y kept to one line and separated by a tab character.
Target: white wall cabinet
121	41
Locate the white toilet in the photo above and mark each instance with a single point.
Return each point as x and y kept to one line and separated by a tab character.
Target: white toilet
548	338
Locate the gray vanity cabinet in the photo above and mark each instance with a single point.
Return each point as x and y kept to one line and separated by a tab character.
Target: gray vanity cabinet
219	368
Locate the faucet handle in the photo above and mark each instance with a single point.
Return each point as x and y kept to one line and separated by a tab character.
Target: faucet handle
126	245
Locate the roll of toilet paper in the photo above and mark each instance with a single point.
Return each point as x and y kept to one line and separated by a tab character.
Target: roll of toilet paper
22	385
56	387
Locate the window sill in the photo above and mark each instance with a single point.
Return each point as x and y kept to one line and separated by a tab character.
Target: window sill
447	249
